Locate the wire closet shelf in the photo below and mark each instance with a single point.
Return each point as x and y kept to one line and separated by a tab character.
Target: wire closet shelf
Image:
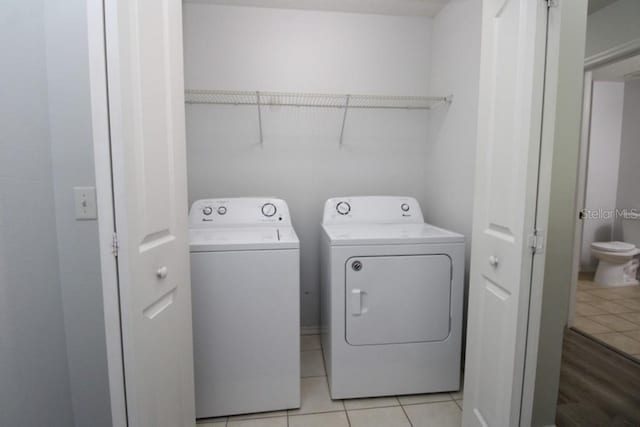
314	100
318	100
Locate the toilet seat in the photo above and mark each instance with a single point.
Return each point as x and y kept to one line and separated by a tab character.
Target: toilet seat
616	247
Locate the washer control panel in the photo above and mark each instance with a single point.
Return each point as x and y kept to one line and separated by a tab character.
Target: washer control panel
241	211
372	210
343	208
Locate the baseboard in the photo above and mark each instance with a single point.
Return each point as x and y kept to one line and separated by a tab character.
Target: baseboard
587	269
310	330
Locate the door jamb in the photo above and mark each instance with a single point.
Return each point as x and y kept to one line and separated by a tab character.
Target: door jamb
581	191
105	203
566	33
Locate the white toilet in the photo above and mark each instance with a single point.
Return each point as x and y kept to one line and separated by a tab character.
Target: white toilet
618	261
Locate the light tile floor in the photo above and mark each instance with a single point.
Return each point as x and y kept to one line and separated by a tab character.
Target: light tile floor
611	315
318	410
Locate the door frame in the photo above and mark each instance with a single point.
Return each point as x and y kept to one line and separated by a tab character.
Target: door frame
558	170
106	210
616	53
581	190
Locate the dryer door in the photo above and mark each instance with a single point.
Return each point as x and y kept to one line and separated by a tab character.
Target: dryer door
398	299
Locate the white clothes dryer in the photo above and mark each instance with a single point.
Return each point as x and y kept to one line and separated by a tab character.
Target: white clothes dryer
391	299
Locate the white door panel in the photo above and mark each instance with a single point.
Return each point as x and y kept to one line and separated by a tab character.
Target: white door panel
512	72
145	85
398	299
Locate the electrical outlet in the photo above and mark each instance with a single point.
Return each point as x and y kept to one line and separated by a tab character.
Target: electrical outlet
85	202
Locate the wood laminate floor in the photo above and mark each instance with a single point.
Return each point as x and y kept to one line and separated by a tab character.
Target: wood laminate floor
598	386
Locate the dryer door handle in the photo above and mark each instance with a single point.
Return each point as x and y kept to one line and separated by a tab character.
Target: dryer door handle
356	302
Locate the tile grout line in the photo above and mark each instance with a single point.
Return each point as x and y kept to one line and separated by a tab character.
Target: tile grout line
344	406
314	413
590	317
405	414
427	403
372	407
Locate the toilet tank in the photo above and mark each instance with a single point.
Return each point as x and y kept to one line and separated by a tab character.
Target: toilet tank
631	228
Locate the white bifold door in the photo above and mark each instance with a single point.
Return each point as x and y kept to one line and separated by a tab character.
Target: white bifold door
146	112
510	115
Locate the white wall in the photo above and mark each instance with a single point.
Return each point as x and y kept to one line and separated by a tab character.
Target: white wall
603	164
450	164
34	385
72	155
612	26
385	152
628	196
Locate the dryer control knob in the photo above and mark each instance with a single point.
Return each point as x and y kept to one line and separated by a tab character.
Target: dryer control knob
207	210
343	208
222	210
269	210
404	207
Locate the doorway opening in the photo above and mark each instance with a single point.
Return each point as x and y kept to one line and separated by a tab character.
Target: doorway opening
600	371
606	297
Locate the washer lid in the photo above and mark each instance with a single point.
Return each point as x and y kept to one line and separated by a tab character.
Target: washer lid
613	246
236	239
389	234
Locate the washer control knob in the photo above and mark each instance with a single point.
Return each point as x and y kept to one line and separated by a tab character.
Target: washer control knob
207	210
404	207
269	210
222	210
343	208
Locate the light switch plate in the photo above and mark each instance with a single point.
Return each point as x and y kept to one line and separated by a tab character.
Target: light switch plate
85	202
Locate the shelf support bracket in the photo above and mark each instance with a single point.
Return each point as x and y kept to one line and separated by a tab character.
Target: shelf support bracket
344	118
258	104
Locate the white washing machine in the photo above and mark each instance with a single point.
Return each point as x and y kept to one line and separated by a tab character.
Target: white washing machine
391	295
245	279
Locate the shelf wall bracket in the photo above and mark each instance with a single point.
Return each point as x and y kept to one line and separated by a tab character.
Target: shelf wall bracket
258	104
344	118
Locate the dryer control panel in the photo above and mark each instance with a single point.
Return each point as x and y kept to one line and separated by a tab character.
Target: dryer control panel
372	210
239	211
